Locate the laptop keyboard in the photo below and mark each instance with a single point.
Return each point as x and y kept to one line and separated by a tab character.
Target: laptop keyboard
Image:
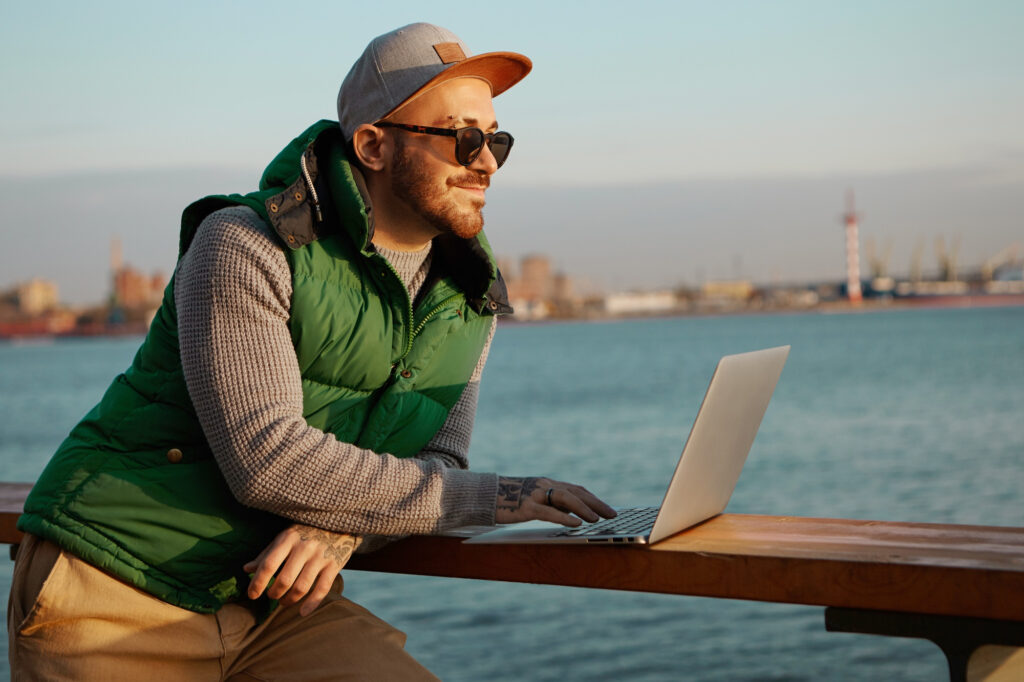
638	521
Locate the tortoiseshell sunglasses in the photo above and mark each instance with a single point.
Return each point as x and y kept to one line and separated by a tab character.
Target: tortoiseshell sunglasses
469	142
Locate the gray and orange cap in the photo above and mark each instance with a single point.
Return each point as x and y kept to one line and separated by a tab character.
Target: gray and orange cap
400	65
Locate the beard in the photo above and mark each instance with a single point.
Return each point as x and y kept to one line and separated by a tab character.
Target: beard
417	187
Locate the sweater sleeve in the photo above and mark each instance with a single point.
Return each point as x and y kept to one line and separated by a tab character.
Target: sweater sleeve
233	293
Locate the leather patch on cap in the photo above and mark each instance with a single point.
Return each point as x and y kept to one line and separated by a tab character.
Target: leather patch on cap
449	52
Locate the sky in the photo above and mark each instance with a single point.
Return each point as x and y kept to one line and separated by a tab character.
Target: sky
657	143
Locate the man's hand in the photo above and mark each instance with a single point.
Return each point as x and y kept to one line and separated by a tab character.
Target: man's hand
308	558
525	499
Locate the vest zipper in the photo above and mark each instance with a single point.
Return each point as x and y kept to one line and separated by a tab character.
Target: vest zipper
426	318
408	307
408	312
434	311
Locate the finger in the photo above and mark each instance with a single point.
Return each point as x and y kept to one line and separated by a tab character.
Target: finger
564	500
271	560
545	513
288	574
302	583
593	502
320	590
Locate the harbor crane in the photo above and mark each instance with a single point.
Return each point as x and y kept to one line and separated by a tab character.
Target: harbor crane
915	261
947	259
1008	256
878	264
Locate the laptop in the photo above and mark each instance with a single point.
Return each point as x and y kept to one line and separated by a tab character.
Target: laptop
707	471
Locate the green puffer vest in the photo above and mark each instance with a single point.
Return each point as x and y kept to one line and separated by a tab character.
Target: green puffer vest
134	489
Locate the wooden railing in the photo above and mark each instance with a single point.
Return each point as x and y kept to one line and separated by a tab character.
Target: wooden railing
959	586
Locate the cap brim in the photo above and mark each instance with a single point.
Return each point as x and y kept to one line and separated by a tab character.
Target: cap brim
501	69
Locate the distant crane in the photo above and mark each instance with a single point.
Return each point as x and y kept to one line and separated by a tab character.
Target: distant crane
853	291
915	261
116	263
878	262
1008	256
947	259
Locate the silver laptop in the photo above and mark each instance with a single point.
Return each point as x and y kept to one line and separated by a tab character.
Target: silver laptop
708	469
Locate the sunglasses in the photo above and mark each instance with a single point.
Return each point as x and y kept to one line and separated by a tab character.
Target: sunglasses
469	142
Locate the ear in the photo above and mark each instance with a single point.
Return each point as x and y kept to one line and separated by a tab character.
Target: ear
371	147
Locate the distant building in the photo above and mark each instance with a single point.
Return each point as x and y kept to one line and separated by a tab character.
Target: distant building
134	289
35	297
31	309
635	303
731	290
725	296
562	288
533	290
535	281
1005	286
932	288
792	297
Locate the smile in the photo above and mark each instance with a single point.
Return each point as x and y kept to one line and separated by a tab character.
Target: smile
477	190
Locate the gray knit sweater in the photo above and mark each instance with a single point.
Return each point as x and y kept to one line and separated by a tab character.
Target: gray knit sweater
233	290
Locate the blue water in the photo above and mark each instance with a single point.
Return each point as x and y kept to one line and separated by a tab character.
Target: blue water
902	415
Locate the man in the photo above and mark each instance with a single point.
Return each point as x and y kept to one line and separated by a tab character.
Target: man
315	362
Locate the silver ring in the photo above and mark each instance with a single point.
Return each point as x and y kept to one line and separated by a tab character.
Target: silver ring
550	490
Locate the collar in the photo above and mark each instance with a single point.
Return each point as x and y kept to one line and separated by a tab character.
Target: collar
329	191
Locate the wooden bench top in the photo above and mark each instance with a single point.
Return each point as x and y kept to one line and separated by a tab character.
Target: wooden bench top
12	500
955	570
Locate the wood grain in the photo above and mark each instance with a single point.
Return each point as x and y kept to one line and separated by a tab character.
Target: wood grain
975	571
12	501
955	570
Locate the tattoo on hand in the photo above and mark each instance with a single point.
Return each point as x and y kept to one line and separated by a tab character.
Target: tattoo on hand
337	547
513	491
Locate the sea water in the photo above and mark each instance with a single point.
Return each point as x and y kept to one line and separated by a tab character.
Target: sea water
908	415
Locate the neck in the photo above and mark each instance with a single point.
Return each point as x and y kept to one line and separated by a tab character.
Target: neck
395	225
399	237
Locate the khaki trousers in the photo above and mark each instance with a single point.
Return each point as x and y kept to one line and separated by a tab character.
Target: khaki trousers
67	620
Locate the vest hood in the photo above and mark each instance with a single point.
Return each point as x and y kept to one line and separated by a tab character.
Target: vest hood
311	187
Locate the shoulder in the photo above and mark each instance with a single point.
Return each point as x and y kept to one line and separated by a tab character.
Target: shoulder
236	225
233	247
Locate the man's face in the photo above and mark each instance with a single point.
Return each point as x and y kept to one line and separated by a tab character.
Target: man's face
424	173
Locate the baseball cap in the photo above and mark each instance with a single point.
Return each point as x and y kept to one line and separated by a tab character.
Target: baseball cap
398	66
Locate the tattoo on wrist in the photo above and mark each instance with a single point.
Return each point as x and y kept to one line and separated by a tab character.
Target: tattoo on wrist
337	546
513	491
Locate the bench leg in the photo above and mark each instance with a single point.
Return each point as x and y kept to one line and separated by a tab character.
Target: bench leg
958	638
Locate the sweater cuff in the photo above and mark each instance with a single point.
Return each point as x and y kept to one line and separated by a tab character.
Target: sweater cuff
469	499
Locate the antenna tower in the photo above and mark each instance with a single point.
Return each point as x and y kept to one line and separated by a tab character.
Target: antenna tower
852	252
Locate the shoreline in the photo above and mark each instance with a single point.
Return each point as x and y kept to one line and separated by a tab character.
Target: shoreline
829	308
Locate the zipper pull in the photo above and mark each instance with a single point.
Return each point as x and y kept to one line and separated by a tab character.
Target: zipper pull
310	187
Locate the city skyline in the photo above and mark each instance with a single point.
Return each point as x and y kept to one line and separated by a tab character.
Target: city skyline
656	144
580	228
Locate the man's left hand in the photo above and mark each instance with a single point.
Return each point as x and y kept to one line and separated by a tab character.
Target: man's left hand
309	560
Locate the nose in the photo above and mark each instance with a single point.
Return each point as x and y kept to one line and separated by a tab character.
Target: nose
485	161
